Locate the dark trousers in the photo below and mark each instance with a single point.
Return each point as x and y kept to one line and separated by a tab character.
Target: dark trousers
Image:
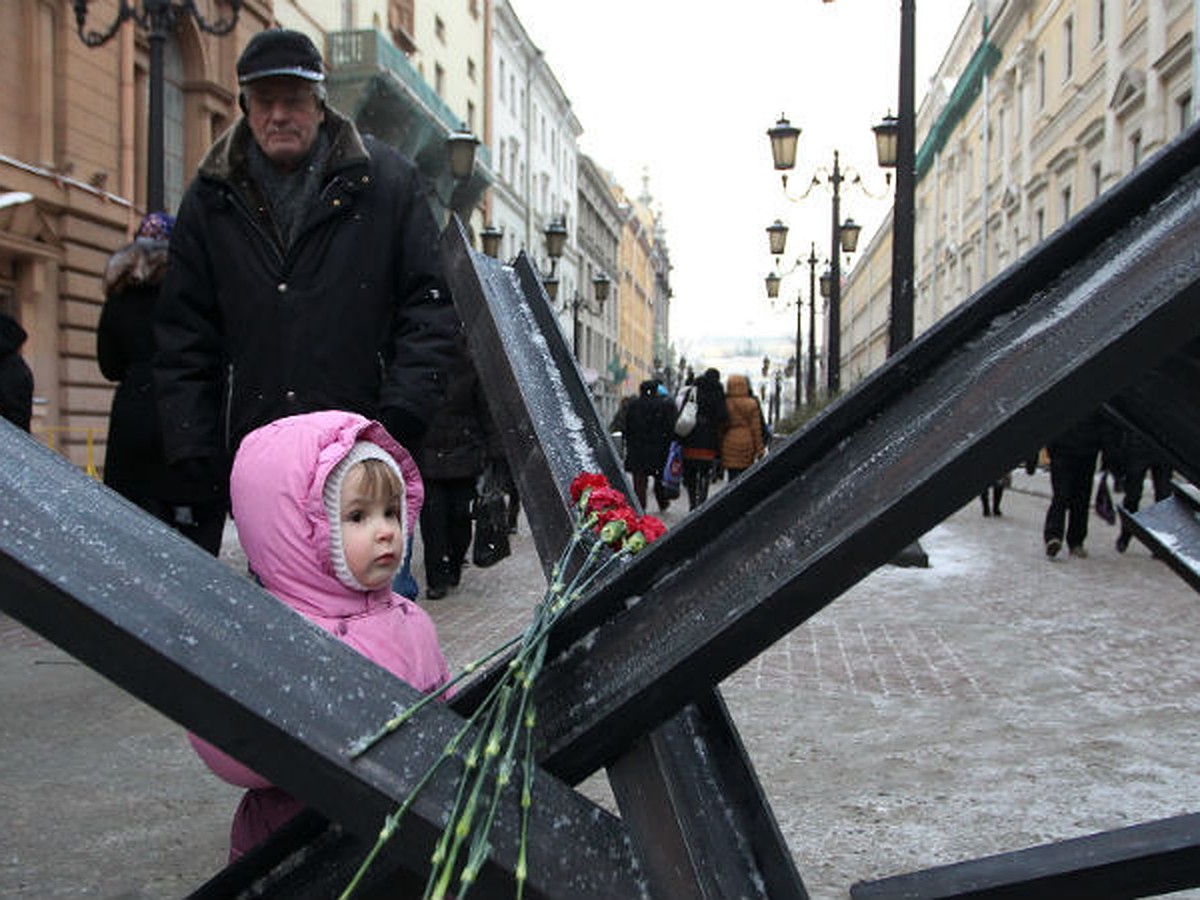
641	481
1135	479
446	528
996	489
1071	478
697	476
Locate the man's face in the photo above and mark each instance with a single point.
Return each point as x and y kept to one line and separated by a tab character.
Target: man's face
284	116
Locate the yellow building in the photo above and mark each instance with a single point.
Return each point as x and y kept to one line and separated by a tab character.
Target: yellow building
635	291
1035	111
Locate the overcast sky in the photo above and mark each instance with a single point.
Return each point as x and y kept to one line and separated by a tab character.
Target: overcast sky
686	95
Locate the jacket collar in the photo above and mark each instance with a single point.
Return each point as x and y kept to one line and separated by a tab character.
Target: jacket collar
227	156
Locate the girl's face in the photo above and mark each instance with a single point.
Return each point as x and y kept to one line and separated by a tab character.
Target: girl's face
372	533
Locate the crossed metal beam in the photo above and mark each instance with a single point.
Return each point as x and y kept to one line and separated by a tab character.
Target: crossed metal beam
1086	317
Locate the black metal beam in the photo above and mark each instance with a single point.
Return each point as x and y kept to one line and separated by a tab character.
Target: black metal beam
1162	407
1171	529
696	814
179	629
1139	861
1085	317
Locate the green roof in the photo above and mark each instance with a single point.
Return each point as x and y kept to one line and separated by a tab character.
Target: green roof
963	96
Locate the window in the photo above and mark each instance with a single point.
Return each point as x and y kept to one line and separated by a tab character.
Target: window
1068	35
439	29
473	8
471	116
1183	112
1065	198
1101	16
439	79
1039	225
1097	181
1135	150
471	68
1041	80
503	82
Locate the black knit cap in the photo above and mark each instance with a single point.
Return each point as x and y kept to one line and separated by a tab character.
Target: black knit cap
278	51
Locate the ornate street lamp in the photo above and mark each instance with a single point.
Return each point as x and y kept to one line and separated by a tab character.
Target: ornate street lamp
601	284
887	136
461	146
773	281
491	237
777	234
849	233
784	137
550	283
556	238
159	18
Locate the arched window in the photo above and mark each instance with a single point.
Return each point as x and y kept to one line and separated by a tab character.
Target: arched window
173	131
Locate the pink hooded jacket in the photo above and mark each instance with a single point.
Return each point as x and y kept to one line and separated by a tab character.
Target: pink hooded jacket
276	494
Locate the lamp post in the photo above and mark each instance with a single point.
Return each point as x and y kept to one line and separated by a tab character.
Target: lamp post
600	285
896	145
810	382
159	18
784	138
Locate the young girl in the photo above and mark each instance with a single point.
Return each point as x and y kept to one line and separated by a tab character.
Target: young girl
324	503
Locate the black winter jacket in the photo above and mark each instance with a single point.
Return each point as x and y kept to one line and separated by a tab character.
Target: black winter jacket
461	435
134	464
649	429
353	315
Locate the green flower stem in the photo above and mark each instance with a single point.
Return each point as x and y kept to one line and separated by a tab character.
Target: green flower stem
363	744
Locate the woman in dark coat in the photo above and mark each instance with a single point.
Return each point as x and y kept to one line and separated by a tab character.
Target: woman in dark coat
701	447
649	428
134	462
16	380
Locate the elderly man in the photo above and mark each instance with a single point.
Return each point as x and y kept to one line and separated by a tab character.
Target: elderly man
303	275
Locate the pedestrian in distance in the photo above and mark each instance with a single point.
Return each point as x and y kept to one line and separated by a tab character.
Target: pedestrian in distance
1139	458
324	503
742	431
459	441
649	430
1073	454
996	491
135	464
16	378
304	273
701	447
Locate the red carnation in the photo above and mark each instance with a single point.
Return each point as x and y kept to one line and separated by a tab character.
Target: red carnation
605	498
651	528
586	481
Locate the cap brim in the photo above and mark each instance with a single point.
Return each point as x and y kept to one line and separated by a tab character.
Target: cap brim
293	72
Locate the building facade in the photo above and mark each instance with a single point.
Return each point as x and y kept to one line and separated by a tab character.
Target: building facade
1038	107
73	135
595	325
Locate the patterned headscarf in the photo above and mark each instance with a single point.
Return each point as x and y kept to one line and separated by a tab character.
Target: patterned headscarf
156	226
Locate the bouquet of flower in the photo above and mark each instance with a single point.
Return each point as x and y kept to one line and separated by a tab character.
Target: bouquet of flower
496	742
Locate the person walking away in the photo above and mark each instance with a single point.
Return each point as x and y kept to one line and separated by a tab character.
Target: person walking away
324	503
1140	457
649	430
701	446
452	458
1073	454
304	274
742	432
135	465
996	489
16	378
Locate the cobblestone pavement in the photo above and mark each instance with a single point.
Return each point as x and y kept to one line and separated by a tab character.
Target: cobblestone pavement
994	701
